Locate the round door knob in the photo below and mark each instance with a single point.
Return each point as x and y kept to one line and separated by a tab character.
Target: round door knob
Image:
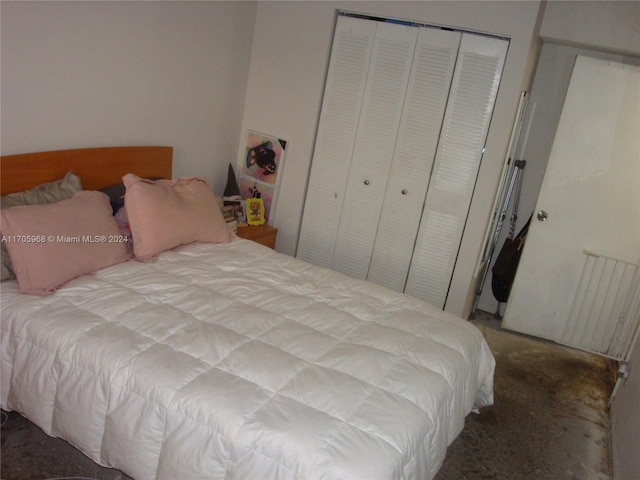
542	215
366	182
404	191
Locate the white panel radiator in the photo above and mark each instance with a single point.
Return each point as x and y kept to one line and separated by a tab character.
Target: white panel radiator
605	313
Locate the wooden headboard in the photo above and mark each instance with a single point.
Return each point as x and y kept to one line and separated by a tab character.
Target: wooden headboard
96	167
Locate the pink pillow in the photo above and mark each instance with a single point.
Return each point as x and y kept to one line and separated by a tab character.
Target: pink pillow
52	244
164	214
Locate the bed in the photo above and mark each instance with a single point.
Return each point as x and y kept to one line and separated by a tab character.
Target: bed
225	359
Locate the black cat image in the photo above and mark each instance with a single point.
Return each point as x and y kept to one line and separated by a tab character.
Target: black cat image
263	156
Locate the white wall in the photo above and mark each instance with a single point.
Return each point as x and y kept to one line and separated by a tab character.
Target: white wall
289	60
88	74
604	25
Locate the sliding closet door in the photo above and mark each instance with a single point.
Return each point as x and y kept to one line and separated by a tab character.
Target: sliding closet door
423	112
467	118
341	107
404	120
384	96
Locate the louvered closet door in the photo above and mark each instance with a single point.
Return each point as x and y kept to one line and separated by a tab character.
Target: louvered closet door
423	112
384	96
467	118
341	107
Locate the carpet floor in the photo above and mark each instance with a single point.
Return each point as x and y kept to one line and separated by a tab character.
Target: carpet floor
549	421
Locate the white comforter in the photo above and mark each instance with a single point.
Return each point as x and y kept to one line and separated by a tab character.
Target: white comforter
233	361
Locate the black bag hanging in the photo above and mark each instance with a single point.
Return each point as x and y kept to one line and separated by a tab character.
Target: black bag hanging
506	264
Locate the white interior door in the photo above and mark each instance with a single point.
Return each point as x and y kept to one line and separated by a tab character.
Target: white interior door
415	150
395	94
375	141
590	194
341	107
464	131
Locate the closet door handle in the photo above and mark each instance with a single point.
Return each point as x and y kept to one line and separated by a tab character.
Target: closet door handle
366	182
404	191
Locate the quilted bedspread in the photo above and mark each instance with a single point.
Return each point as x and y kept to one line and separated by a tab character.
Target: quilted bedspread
233	361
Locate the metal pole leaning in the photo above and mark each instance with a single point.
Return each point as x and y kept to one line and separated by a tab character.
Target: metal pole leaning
515	183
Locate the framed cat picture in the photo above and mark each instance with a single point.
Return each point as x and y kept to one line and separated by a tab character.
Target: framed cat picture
260	167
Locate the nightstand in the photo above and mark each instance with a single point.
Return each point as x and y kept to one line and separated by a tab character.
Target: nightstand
263	234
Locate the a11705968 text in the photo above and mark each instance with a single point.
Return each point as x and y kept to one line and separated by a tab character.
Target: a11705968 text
64	238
